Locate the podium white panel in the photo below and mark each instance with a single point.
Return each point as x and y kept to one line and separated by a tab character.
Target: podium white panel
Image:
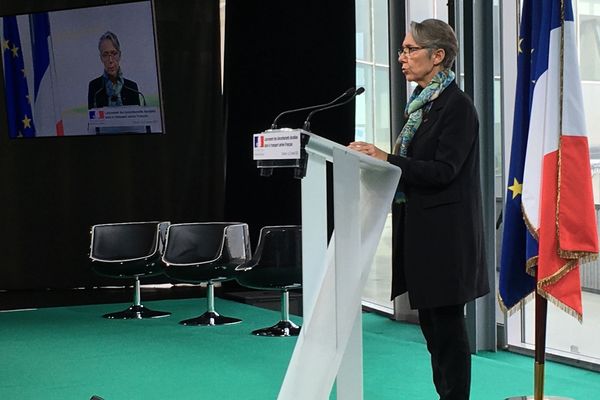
330	342
314	212
346	185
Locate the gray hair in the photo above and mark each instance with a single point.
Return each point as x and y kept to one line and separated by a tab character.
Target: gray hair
108	35
436	34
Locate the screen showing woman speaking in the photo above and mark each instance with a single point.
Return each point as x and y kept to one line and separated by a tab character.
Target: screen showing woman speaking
84	71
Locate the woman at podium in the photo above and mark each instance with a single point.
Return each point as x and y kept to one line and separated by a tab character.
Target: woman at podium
111	89
438	255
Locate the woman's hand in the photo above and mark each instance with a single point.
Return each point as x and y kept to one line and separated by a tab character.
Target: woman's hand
369	149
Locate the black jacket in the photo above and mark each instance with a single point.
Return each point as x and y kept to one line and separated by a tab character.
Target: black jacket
438	253
97	96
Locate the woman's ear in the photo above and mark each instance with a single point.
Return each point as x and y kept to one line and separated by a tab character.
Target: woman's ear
438	56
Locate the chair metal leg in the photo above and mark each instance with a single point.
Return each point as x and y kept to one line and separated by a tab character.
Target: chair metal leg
210	317
137	310
285	327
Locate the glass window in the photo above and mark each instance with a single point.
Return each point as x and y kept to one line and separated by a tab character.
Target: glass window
380	32
364	114
589	60
363	30
381	109
373	125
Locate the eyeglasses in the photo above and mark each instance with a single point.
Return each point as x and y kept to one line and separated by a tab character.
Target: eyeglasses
409	50
115	55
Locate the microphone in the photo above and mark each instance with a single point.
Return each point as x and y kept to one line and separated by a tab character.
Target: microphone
137	92
348	92
356	92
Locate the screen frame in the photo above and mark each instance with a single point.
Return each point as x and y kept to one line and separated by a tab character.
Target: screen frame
32	7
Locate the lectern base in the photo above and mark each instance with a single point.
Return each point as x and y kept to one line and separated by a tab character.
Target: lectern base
532	398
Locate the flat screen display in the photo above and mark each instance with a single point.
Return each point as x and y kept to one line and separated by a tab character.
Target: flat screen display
84	71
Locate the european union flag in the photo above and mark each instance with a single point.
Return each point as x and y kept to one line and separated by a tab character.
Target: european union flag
519	247
20	117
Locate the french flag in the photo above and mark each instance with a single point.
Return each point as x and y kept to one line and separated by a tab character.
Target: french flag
550	174
46	108
96	114
259	141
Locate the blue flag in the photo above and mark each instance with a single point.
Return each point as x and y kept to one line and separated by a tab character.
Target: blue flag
40	28
519	248
18	101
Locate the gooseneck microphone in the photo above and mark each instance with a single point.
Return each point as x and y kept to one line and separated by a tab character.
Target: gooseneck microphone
355	92
96	97
350	92
115	98
136	92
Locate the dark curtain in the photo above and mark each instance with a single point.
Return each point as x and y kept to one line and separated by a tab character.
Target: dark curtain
53	189
282	55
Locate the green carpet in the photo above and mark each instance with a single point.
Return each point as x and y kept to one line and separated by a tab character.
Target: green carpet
72	353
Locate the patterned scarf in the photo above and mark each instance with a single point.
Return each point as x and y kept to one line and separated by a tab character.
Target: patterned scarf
419	103
113	90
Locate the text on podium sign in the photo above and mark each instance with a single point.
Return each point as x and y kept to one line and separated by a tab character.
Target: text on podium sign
277	145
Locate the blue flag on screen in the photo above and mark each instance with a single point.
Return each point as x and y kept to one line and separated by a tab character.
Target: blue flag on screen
519	248
40	28
20	117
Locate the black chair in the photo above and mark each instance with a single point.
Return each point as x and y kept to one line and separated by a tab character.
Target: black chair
206	252
129	250
276	265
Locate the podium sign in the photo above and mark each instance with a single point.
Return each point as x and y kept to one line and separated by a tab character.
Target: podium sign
124	119
280	144
329	346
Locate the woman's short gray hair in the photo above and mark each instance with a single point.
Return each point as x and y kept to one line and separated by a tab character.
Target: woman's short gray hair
436	34
108	35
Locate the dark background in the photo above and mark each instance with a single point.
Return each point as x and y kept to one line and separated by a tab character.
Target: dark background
278	55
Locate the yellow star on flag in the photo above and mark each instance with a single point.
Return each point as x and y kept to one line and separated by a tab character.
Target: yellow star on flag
516	188
26	122
5	44
15	51
519	49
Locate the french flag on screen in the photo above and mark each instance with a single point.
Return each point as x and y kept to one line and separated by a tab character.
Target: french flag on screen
47	113
259	141
96	114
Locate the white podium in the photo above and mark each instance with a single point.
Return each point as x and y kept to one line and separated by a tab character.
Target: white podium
329	347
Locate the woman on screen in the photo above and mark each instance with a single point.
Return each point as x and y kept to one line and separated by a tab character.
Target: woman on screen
111	89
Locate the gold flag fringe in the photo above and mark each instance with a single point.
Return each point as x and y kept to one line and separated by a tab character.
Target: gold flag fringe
534	232
583	257
559	304
531	264
510	311
555	277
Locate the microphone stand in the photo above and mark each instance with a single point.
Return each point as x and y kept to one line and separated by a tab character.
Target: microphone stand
357	92
346	93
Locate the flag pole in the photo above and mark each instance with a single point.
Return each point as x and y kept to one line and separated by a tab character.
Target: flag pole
541	312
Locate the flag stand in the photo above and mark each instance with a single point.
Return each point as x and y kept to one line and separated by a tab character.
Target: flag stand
541	312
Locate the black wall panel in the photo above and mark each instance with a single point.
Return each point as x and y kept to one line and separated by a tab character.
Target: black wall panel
282	55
